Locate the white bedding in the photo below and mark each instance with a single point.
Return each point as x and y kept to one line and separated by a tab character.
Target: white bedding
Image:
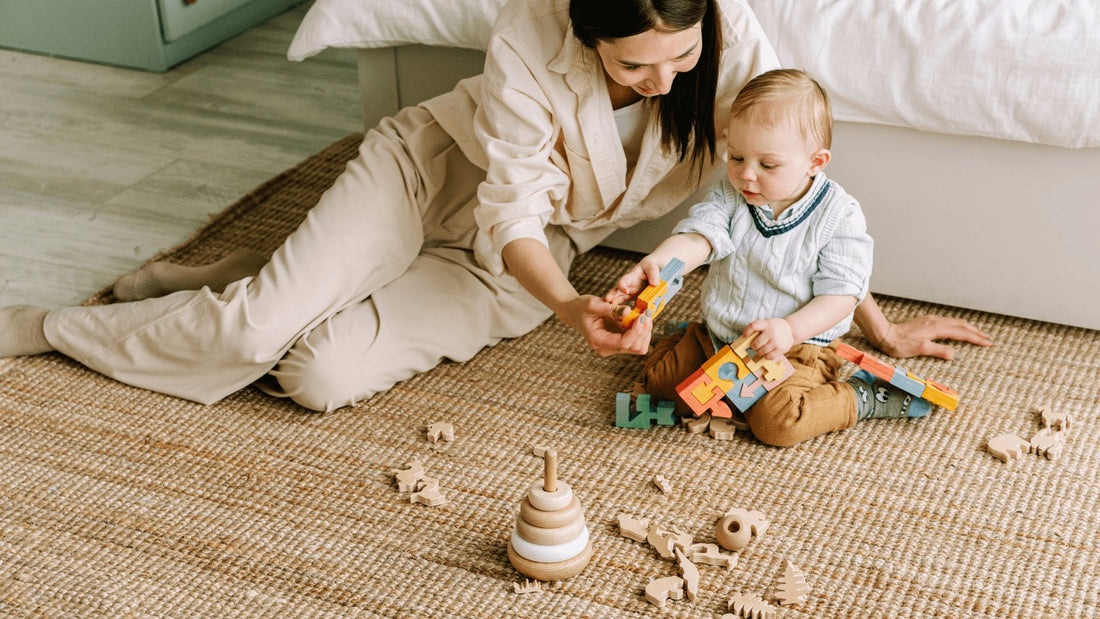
1025	70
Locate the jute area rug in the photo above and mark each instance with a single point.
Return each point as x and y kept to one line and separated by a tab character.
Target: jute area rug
117	502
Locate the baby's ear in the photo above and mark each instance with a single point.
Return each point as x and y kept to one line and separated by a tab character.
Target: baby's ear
819	159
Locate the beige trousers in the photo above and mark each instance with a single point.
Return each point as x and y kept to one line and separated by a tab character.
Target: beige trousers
378	284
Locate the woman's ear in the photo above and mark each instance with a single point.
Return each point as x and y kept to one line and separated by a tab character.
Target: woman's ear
819	159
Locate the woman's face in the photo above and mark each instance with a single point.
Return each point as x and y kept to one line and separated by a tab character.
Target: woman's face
648	62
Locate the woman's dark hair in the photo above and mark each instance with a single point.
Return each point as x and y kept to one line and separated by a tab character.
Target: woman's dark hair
687	111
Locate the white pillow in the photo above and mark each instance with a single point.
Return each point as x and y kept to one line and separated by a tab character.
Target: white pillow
382	23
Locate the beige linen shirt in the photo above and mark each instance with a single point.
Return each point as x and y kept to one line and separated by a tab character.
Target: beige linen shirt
539	121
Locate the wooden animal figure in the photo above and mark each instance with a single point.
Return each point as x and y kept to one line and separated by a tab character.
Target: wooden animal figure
636	529
688	572
793	588
427	492
408	477
665	541
749	606
1049	442
708	554
1008	447
663	483
441	431
1053	420
661	590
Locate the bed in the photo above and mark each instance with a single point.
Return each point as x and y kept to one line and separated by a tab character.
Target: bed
969	131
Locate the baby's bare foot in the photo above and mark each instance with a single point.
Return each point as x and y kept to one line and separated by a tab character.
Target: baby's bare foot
21	331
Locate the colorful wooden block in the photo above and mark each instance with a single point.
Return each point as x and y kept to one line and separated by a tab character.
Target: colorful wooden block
736	373
645	414
907	382
930	390
653	299
694	389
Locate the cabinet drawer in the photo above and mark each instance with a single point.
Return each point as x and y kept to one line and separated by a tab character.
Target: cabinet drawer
180	17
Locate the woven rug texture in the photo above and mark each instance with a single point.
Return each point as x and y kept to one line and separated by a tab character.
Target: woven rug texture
119	502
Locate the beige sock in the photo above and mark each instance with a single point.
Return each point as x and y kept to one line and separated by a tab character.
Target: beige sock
21	331
161	278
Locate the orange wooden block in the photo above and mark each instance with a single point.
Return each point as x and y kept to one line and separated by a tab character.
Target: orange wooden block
693	391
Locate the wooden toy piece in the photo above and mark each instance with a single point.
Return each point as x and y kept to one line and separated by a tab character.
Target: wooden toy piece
653	299
793	588
708	554
750	606
703	396
441	431
529	586
1049	442
930	390
663	414
1056	421
636	529
688	572
722	429
663	483
666	541
427	493
697	425
1008	447
550	538
408	477
762	367
737	528
661	590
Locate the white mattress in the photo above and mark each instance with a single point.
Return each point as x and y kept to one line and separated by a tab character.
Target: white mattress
1026	70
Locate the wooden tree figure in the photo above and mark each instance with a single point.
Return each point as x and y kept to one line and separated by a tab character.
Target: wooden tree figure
550	540
792	588
749	606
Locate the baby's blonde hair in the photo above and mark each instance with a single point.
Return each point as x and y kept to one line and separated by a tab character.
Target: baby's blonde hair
787	95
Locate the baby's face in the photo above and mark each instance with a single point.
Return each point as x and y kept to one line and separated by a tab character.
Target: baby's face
770	165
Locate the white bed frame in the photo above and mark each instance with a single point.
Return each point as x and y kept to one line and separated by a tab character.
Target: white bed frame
993	225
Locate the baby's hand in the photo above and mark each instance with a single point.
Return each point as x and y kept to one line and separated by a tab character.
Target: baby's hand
774	337
635	280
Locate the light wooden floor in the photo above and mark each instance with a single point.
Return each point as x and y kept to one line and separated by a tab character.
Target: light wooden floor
102	167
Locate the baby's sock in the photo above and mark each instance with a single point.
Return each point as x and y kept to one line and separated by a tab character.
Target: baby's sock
878	399
21	331
161	278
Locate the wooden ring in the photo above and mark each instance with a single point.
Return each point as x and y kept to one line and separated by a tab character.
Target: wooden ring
549	554
550	571
733	532
549	501
549	537
550	520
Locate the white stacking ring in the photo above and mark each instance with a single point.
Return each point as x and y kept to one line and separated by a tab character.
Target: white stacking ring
550	501
549	554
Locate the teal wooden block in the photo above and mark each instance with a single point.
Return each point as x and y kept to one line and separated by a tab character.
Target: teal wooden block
645	415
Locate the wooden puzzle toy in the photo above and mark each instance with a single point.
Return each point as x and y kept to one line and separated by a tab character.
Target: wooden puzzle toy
733	375
550	539
793	588
663	414
665	541
749	606
652	300
708	554
661	590
738	527
908	382
441	431
634	528
1008	447
697	425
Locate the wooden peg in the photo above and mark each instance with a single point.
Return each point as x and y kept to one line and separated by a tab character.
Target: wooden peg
550	471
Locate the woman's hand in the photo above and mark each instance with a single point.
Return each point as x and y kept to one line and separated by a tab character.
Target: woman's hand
598	321
918	337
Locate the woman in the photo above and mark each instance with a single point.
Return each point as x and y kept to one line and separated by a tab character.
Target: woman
456	225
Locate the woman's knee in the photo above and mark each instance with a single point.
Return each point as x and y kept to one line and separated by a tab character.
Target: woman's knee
326	377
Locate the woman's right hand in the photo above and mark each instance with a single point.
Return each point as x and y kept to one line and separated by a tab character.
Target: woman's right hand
599	322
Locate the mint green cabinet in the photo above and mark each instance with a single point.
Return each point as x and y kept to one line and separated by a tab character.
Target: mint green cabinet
142	34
